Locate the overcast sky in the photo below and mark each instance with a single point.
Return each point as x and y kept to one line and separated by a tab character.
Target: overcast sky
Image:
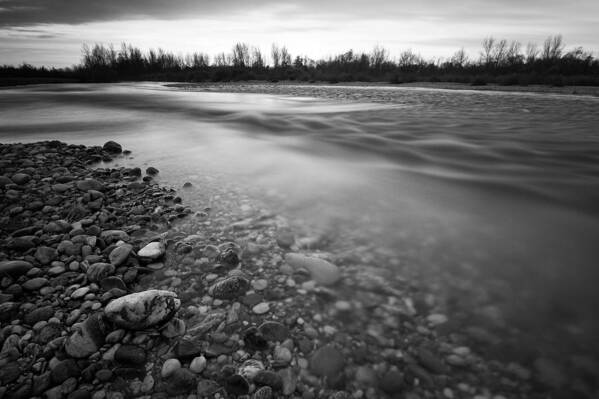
44	32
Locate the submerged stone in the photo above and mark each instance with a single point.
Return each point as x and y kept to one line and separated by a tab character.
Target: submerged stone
112	147
229	288
320	270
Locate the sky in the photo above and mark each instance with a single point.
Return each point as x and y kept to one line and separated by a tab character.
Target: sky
52	32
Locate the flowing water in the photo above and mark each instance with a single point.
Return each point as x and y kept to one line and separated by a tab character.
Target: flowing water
488	199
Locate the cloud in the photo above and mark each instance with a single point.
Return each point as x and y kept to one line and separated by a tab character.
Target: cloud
31	12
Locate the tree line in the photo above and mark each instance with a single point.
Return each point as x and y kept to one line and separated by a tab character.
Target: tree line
499	62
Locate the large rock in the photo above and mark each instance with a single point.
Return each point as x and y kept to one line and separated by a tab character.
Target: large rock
14	268
320	270
112	147
152	251
90	184
143	309
87	339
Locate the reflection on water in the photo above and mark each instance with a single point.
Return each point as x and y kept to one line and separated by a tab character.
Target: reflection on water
490	198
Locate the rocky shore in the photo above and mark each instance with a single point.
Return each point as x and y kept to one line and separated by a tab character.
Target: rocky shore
104	294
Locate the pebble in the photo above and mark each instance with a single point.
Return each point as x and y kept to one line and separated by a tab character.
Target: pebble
392	382
260	284
14	268
169	367
152	251
229	288
273	331
35	283
261	308
198	364
120	254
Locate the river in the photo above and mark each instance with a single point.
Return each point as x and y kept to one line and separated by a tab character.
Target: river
488	199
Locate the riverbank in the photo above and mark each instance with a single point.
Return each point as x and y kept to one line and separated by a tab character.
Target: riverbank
112	288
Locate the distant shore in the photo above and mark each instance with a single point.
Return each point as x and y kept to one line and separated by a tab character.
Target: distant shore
565	90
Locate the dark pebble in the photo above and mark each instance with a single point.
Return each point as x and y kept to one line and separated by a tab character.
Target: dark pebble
269	378
131	355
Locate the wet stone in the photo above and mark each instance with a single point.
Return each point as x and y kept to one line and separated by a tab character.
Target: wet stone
40	314
207	388
130	355
169	367
90	184
45	255
327	361
269	378
112	147
120	254
392	382
143	309
10	373
87	339
35	283
229	254
180	382
273	331
14	268
152	251
263	393
320	270
187	349
99	271
229	288
431	362
65	370
236	385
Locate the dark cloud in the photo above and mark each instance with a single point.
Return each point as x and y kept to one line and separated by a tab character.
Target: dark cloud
30	12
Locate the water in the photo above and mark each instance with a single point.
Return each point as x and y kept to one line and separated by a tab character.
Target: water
488	200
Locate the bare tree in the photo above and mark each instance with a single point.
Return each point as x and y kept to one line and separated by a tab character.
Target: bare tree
532	52
514	55
221	60
487	53
285	57
553	47
459	58
408	58
276	55
499	52
200	60
257	61
241	55
378	56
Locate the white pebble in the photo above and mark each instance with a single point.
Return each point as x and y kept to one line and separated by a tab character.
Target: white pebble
261	308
